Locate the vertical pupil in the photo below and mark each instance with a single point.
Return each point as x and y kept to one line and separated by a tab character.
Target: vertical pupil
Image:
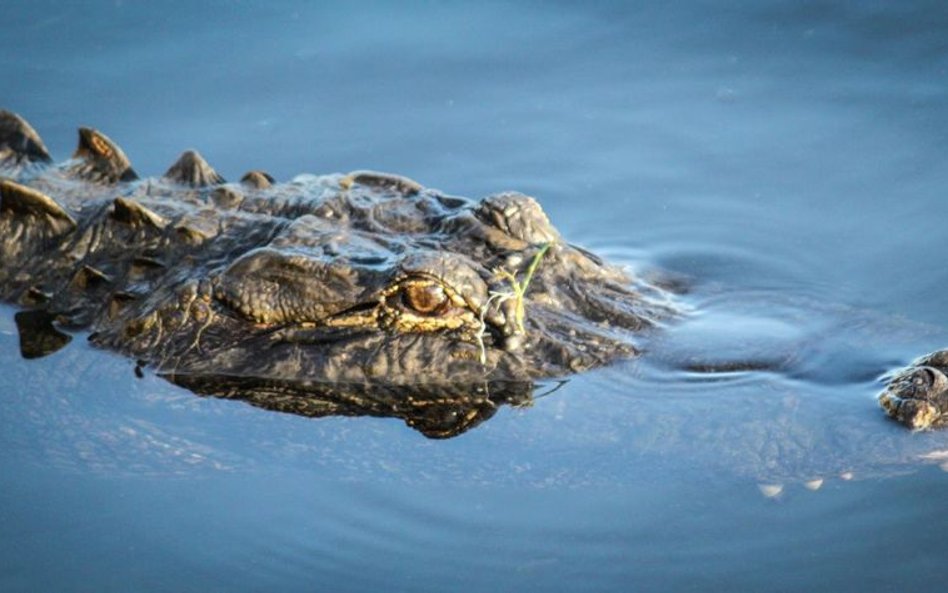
425	298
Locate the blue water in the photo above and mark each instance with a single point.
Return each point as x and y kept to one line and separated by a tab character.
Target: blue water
786	159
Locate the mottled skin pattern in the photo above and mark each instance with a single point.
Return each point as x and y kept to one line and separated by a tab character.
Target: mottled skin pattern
917	396
366	285
338	294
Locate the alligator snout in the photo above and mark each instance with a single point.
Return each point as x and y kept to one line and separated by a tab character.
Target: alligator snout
918	396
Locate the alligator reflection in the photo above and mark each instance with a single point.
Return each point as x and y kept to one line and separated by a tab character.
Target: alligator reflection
38	335
436	411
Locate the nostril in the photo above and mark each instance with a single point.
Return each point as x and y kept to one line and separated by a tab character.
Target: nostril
517	215
927	382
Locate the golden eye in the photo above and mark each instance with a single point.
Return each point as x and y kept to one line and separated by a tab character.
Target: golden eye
427	299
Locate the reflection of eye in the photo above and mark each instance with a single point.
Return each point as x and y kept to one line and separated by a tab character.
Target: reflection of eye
426	299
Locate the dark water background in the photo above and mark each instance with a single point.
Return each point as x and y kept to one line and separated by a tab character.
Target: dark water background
786	157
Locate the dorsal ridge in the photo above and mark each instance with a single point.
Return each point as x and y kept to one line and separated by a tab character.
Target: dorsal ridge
257	179
21	200
100	160
191	169
19	142
132	213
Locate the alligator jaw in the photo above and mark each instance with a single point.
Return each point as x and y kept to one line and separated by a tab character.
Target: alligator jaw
367	279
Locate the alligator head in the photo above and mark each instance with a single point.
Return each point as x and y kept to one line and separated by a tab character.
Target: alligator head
365	279
917	396
377	286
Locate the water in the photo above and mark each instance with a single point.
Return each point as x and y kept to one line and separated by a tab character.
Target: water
785	159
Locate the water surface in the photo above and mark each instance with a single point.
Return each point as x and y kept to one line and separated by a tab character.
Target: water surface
784	160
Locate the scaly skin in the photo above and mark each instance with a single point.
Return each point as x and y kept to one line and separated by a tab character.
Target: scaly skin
341	294
261	288
917	396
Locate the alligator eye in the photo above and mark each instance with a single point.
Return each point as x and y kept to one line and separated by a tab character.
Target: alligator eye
427	299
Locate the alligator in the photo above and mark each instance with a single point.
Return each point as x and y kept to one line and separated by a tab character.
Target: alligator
345	293
359	293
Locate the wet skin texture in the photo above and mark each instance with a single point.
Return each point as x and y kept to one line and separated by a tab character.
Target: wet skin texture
917	396
354	294
363	293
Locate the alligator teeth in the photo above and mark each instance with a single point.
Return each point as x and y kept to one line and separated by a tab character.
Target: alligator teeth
257	179
19	141
21	200
100	160
136	215
191	169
